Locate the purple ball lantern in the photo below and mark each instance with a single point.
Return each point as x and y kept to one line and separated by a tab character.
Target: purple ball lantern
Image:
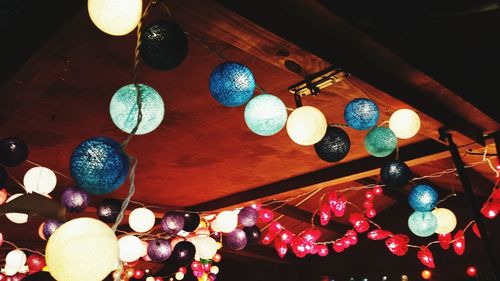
236	239
75	199
248	216
159	250
50	226
172	222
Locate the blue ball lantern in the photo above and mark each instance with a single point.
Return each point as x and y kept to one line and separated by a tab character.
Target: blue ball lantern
123	109
265	115
99	165
231	84
422	224
423	198
361	114
380	141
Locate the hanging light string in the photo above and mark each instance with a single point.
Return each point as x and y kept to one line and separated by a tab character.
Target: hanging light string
22	249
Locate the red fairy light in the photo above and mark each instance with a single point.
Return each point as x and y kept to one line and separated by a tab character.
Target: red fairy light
398	244
345	242
338	246
274	229
337	204
425	257
370	213
495	194
267	239
352	236
298	246
359	222
367	204
476	230
459	244
444	240
265	215
310	235
377	190
322	250
369	195
311	248
332	200
286	236
280	247
378	234
324	214
488	210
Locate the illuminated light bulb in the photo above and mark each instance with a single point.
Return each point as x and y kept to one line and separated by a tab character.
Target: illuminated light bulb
131	248
265	115
115	17
141	219
405	123
426	274
206	247
306	125
179	276
471	271
40	180
226	221
446	220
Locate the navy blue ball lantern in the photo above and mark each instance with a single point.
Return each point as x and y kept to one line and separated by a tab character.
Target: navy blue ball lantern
99	165
361	114
395	174
334	146
423	198
231	84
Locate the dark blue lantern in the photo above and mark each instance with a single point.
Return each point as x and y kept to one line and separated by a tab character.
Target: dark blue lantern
395	174
423	198
99	165
361	114
334	146
231	84
13	151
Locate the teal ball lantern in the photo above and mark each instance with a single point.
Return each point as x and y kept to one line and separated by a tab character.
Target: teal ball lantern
423	198
231	84
99	165
123	109
422	224
380	141
361	114
265	115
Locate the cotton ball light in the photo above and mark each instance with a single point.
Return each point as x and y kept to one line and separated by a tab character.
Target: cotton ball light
82	249
40	180
13	151
75	199
380	141
405	123
265	115
49	226
115	17
306	125
131	248
214	269
231	84
248	216
423	198
124	110
422	224
334	145
226	221
446	220
15	259
237	239
206	247
361	114
179	276
108	209
18	218
159	250
395	174
141	219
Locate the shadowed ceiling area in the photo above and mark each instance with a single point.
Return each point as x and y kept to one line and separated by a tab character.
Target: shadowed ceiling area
59	73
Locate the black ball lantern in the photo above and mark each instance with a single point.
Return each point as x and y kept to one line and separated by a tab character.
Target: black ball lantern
108	210
163	45
395	174
13	151
184	252
191	221
334	146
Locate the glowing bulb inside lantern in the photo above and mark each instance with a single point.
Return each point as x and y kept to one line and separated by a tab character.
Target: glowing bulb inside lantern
306	125
446	220
405	123
131	248
141	219
40	180
115	17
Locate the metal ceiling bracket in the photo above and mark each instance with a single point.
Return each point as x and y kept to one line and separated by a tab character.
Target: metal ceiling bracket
313	84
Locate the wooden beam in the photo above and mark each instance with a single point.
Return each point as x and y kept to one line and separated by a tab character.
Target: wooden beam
305	216
414	154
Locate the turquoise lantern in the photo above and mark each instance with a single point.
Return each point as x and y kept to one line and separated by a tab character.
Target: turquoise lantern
422	224
123	109
380	141
265	115
231	84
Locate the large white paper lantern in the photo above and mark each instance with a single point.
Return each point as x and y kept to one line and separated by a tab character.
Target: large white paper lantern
40	180
405	123
19	218
306	125
446	220
82	249
141	219
131	248
115	17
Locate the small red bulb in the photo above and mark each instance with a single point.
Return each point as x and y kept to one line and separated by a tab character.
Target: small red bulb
471	271
377	190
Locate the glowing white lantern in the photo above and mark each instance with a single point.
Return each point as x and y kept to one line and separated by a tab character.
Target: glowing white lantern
446	220
19	218
15	260
9	271
206	247
40	180
179	276
141	219
115	17
82	249
306	125
131	248
214	269
226	221
405	123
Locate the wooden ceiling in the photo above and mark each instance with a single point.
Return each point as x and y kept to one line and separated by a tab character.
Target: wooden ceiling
203	157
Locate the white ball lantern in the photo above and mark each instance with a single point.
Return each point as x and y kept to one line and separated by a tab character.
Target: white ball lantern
306	125
18	218
226	221
179	275
446	220
15	260
206	247
131	248
141	219
40	180
82	249
115	17
405	123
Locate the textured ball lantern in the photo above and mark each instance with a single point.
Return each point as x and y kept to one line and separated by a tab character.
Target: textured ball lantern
206	247
141	219
405	123
123	109
130	248
164	45
237	239
231	84
253	234
446	220
40	180
334	145
248	216
75	199
226	221
361	114
49	226
13	151
172	222
184	252
191	221
380	141
108	210
306	125
82	249
15	259
99	165
159	250
265	115
115	17
423	198
422	224
395	174
18	218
